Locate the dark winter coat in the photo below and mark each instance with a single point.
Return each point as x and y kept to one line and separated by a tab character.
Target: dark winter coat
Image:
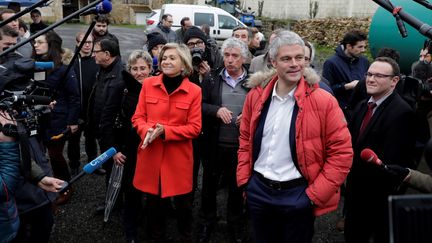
9	180
66	110
340	70
105	101
85	70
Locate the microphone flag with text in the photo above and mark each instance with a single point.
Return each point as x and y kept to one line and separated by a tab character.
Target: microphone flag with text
90	167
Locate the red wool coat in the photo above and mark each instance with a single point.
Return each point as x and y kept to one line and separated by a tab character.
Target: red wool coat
167	161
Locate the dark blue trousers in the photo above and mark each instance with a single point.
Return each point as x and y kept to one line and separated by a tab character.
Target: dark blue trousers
279	215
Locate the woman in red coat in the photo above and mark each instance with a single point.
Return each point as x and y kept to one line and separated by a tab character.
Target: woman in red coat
167	118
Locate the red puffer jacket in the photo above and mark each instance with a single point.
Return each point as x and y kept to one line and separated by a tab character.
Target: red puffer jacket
323	142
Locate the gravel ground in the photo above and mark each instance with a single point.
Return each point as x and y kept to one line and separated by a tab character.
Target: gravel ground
76	221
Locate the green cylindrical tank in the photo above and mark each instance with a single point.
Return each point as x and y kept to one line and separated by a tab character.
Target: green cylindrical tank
383	32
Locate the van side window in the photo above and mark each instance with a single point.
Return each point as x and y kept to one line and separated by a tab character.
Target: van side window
204	18
226	22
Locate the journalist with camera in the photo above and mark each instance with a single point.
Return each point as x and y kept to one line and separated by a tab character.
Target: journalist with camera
205	56
26	169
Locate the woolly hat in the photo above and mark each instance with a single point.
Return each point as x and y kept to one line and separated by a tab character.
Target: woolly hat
154	39
194	32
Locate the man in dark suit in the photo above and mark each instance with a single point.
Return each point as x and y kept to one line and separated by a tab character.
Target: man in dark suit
383	123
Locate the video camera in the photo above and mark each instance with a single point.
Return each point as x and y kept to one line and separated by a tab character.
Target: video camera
21	96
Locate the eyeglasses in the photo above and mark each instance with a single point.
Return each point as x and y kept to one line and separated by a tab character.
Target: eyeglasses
87	42
199	43
96	51
40	42
378	75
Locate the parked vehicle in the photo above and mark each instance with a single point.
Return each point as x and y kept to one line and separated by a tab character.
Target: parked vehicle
152	19
221	22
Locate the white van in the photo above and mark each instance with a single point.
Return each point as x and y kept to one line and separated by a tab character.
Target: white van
221	22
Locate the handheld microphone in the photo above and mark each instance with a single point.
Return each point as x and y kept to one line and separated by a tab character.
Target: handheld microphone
102	8
43	65
370	156
32	99
90	168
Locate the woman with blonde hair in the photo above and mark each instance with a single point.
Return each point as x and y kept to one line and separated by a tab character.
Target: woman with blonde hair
167	118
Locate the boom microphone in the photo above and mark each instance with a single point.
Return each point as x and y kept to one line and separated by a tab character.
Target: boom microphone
90	167
102	8
370	156
32	99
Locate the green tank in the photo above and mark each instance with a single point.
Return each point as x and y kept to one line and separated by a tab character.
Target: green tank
384	32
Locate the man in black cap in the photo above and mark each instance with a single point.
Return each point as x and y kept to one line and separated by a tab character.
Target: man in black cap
155	42
205	57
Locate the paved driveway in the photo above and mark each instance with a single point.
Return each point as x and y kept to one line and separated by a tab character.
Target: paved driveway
130	38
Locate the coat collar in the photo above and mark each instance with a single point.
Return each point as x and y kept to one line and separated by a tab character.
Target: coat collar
184	86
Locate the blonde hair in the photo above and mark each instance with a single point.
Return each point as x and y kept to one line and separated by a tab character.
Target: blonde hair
185	57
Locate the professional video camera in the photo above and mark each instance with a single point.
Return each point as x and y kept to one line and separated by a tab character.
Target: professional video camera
21	96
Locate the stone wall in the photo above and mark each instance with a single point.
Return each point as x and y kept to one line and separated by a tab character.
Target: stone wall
299	9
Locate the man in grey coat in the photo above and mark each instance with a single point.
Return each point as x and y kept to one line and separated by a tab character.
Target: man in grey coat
164	27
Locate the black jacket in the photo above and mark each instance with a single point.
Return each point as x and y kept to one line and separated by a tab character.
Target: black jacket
85	70
211	102
390	134
105	101
66	111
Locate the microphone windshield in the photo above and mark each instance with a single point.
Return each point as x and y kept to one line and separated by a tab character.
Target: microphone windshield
369	155
96	163
105	7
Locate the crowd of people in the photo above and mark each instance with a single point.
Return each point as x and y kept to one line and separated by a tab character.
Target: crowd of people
260	121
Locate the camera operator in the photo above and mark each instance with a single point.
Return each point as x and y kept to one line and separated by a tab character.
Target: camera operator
34	204
205	57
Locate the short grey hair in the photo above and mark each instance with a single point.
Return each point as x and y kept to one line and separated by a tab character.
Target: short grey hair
137	54
284	38
236	43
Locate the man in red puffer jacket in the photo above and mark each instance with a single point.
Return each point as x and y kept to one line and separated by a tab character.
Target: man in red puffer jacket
295	148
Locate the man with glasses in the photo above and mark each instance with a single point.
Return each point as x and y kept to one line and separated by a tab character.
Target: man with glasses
164	27
85	68
205	57
105	98
384	123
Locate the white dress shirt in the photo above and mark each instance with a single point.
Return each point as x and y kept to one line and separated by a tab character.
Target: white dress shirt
275	160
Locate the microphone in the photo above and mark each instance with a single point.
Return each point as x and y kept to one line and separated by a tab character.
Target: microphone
90	167
43	65
370	156
32	99
102	8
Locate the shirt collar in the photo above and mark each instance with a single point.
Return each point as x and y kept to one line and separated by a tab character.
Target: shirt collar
289	95
226	76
